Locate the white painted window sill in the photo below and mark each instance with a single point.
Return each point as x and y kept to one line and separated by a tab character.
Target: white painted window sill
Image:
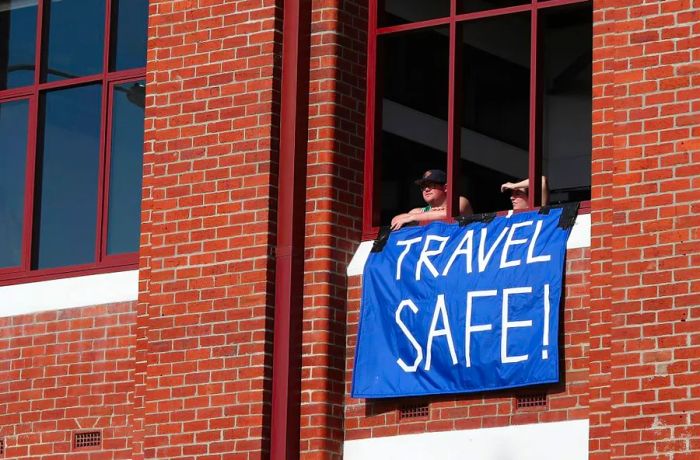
81	291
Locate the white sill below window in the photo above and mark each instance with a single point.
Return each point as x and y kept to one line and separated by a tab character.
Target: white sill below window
80	291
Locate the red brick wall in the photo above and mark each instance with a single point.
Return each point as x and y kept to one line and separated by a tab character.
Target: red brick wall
188	366
334	209
566	401
204	307
631	319
601	229
65	371
647	167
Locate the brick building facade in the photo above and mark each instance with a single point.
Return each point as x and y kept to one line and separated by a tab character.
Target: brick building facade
233	335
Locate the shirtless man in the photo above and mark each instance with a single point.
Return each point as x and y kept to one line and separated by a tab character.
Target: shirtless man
519	195
433	185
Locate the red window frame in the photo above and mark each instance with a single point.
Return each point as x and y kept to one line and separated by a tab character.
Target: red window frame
104	262
372	191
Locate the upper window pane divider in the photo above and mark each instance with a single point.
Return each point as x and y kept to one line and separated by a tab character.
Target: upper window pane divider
477	15
550	3
16	94
413	25
71	82
27	91
125	75
496	12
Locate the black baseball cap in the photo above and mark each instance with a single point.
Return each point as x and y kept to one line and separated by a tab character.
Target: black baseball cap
433	175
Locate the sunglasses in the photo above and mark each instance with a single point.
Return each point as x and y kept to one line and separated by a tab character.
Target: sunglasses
430	185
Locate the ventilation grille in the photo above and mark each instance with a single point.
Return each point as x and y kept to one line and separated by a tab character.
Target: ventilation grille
87	439
533	400
2	446
414	411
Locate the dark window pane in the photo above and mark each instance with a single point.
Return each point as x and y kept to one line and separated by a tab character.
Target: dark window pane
75	38
129	34
13	157
394	12
125	168
472	6
412	86
402	162
17	42
67	191
495	105
566	136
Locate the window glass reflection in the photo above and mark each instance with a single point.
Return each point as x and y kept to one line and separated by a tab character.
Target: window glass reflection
75	38
67	192
17	42
412	99
495	106
129	34
13	156
566	136
394	12
126	168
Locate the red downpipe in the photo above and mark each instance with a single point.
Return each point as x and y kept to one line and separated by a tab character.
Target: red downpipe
289	251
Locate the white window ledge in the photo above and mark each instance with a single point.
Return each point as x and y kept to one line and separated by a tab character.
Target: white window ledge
81	291
538	441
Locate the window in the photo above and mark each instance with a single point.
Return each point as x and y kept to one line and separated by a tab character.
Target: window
490	91
72	94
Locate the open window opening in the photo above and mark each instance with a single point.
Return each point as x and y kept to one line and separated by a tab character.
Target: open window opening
490	92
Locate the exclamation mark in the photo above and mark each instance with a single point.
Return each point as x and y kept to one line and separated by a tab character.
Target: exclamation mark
545	332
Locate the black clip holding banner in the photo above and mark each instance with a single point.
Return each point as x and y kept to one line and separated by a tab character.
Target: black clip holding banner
382	238
466	220
569	211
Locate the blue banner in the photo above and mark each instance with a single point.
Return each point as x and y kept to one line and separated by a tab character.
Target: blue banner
454	309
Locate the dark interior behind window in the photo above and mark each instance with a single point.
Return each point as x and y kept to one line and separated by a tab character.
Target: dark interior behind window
566	128
413	70
499	131
394	12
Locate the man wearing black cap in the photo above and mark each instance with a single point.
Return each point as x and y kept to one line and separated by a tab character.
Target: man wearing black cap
434	189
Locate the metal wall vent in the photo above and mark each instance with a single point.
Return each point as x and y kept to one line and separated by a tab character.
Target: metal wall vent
87	439
533	400
414	411
2	446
